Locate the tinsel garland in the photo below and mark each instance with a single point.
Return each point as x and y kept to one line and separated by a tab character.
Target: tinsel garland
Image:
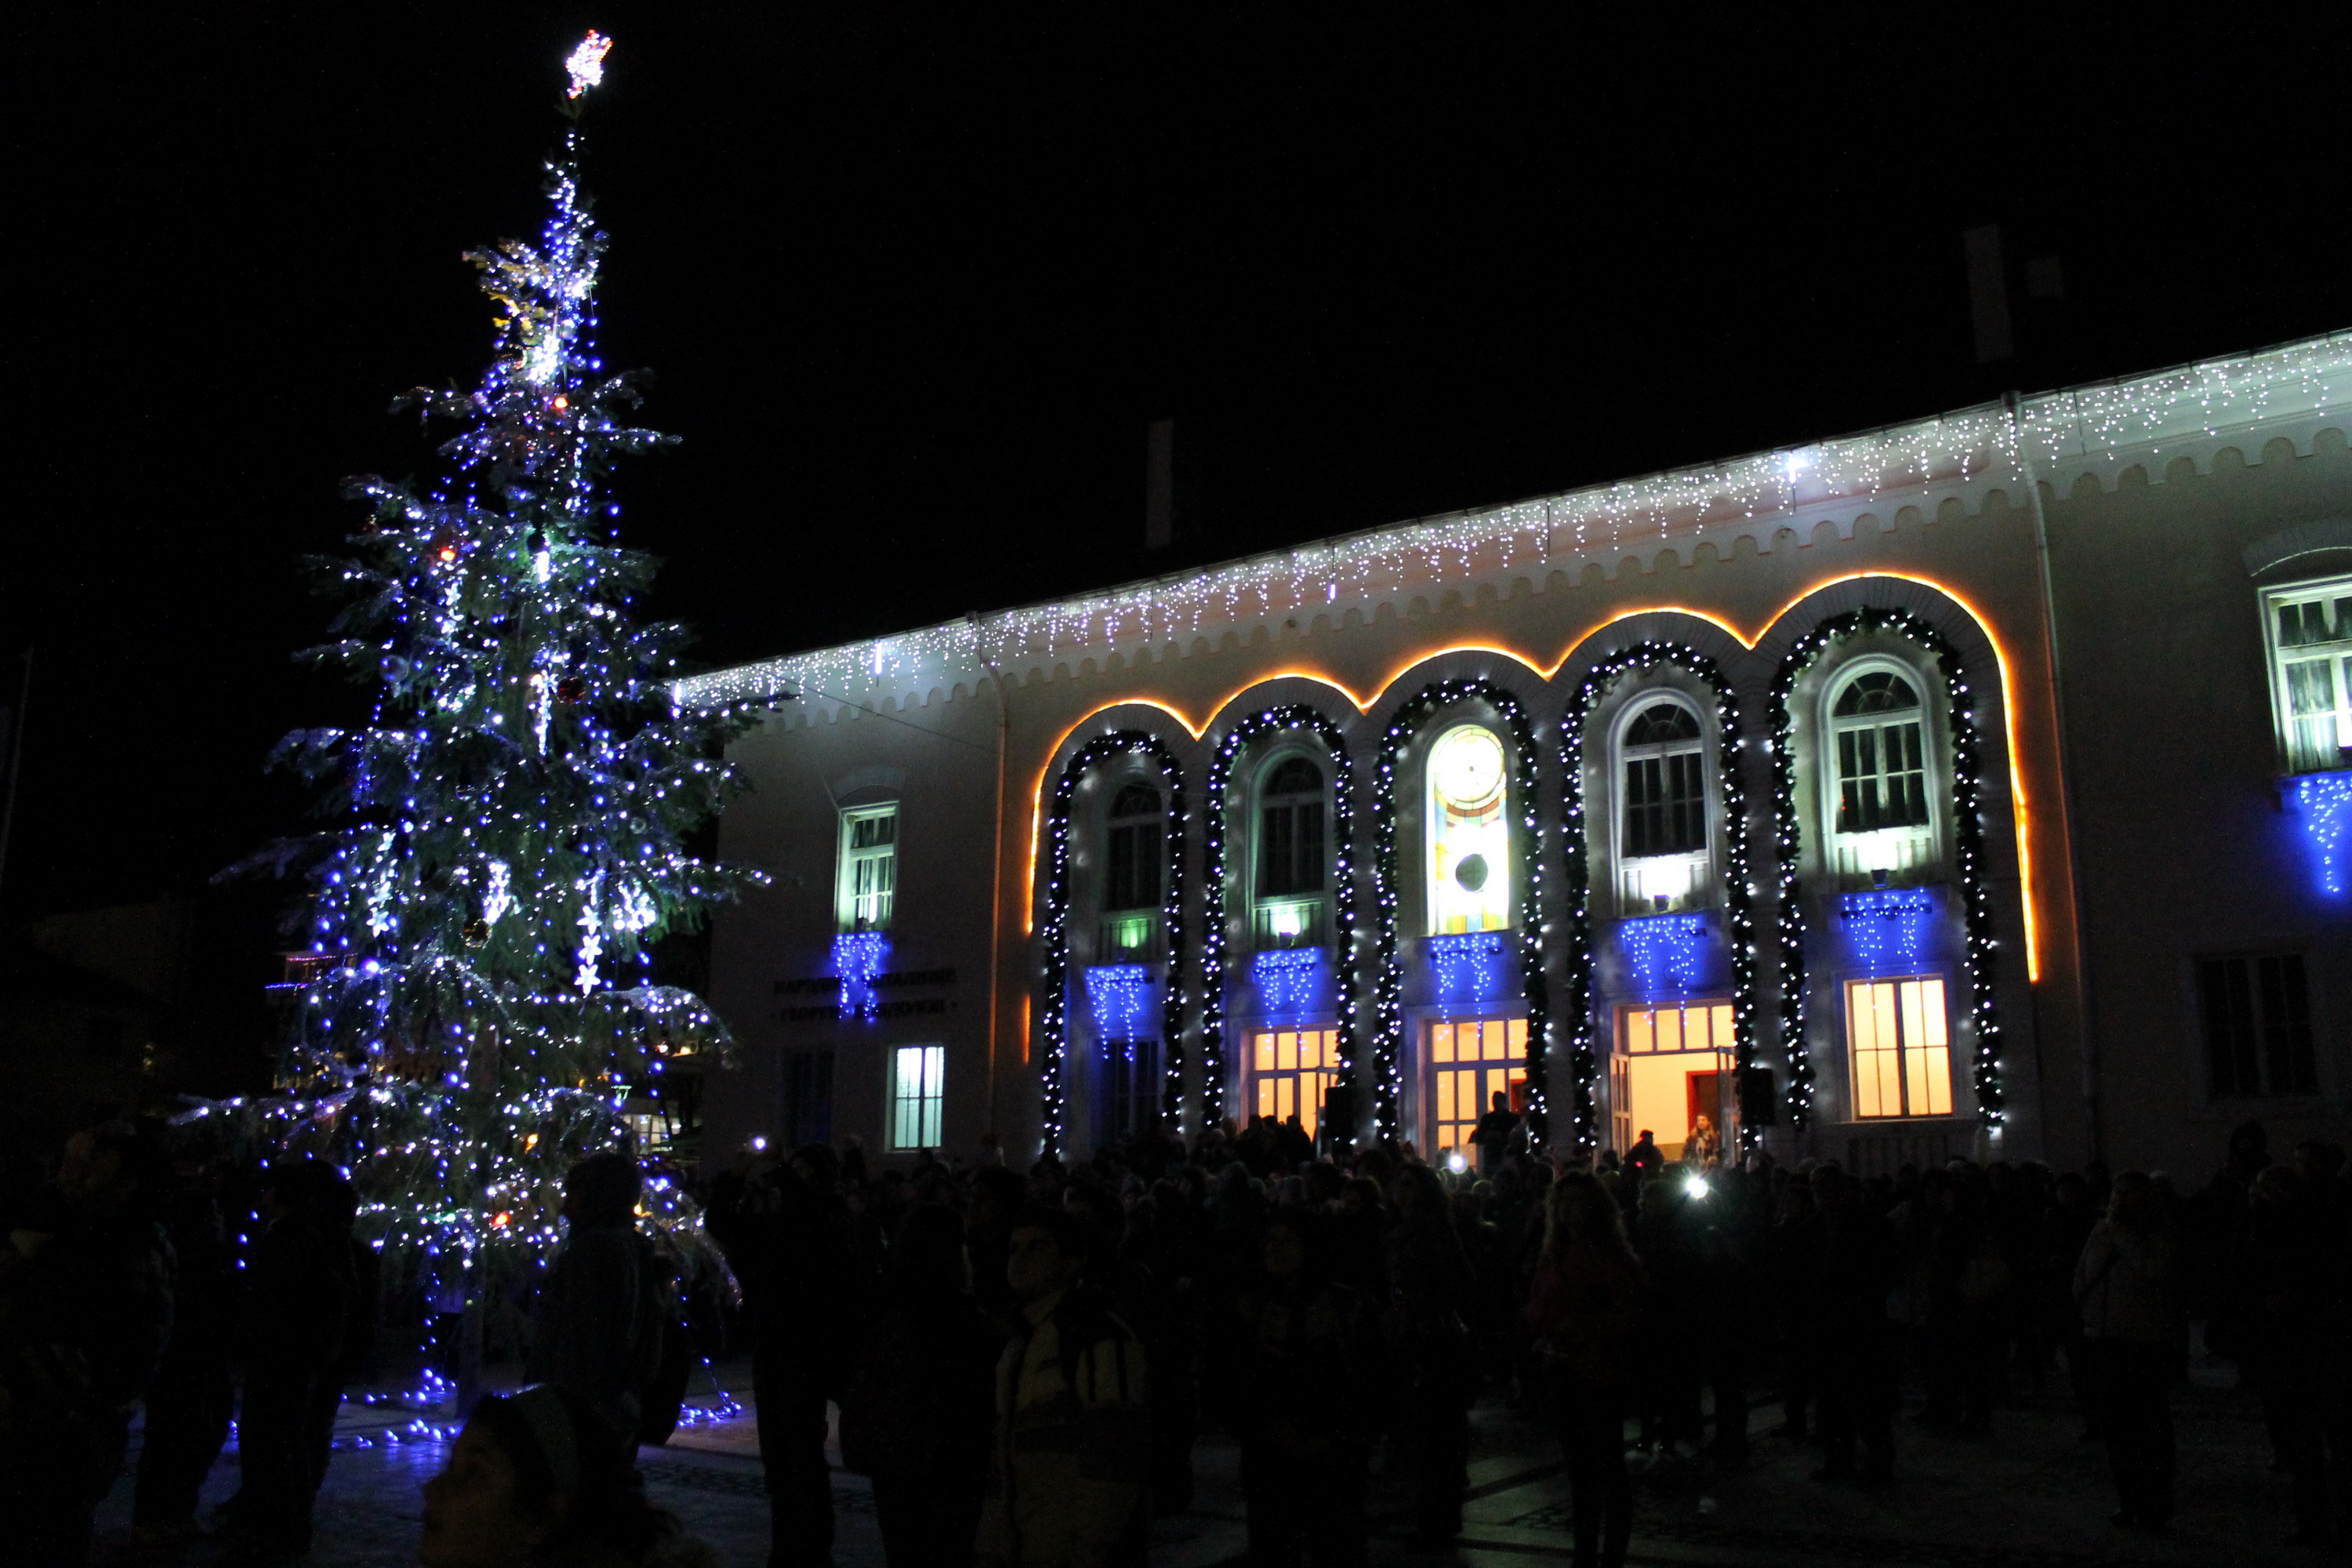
1388	1007
1738	902
1968	849
1293	716
1054	1021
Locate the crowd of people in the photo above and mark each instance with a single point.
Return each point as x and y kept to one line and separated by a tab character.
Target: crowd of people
1021	1361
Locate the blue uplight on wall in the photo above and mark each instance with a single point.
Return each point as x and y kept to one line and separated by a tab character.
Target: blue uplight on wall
1288	979
1888	927
2323	802
1120	997
1469	965
1664	952
857	958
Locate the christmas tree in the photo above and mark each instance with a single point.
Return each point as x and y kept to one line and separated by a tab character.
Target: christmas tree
509	831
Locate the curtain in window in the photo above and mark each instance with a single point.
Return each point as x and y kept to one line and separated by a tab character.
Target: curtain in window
1290	849
1665	804
1133	882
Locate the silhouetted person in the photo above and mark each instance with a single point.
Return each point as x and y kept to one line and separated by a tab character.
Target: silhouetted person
1492	1137
540	1479
2296	1342
1299	1360
1431	1353
193	1394
2127	1288
302	1294
1645	1160
1585	1310
85	1288
789	1244
919	1404
595	1313
1849	1311
1070	1477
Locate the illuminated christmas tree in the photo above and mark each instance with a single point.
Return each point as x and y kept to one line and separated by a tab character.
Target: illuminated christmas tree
509	832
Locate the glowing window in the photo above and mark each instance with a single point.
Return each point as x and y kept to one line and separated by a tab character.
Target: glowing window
1901	1050
868	881
1469	832
1470	1062
1290	1072
918	1096
1882	759
1665	805
2309	627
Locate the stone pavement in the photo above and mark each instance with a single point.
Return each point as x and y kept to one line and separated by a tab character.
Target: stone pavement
2029	1496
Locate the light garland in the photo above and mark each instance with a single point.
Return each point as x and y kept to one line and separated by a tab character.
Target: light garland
858	959
1887	921
1968	849
2086	429
1466	963
1271	721
1738	890
1054	1018
1285	978
1665	952
513	825
1388	1005
1117	994
2325	803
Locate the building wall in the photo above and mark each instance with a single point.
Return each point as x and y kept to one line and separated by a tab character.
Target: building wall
2186	849
2171	824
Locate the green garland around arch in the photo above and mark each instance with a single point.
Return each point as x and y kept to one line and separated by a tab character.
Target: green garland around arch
1388	1005
1054	1018
1273	720
1967	841
1738	901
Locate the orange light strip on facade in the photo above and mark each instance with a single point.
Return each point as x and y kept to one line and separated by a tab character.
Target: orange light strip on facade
1365	705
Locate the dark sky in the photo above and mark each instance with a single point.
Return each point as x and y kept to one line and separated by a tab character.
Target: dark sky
912	280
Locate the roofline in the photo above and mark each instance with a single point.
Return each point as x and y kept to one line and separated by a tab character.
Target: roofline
2026	415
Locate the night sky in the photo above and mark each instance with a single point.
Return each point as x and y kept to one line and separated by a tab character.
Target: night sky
911	281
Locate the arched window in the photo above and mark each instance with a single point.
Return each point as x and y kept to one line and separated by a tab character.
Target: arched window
1662	861
1665	783
1880	776
1469	832
1132	882
1882	761
1292	854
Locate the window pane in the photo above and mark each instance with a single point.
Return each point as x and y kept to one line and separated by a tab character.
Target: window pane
1638	1030
1306	849
1262	1045
1286	1052
1519	1038
1440	1043
1669	1029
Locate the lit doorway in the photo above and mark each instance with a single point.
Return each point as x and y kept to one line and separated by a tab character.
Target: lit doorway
1673	1065
1290	1072
1470	1062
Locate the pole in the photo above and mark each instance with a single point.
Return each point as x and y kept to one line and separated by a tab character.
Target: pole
15	760
2086	997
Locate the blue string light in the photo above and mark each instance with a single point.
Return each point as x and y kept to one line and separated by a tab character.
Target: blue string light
1288	979
1468	964
1665	952
858	959
1119	995
1888	922
2324	801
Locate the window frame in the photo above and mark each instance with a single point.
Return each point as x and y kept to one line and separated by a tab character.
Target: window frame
1916	850
1904	1049
1294	918
930	1100
1689	873
2336	659
1431	810
1114	824
850	856
2258	1049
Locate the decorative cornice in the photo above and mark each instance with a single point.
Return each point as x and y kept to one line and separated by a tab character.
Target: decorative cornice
2100	430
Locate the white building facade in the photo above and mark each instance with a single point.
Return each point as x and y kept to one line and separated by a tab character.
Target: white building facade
1975	786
